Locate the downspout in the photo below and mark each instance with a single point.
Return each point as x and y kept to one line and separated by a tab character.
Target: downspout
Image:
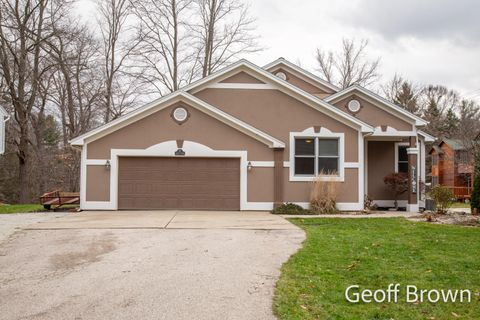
5	119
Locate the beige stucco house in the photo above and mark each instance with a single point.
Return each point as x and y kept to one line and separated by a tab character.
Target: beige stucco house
250	138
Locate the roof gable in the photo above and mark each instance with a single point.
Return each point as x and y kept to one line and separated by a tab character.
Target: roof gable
273	82
302	74
242	77
380	102
454	144
166	101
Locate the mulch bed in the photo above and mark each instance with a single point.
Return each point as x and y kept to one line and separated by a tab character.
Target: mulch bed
454	218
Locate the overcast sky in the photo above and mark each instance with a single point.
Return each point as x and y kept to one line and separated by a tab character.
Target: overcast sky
426	41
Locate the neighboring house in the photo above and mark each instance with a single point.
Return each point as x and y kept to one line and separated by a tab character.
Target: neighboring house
251	138
3	119
452	166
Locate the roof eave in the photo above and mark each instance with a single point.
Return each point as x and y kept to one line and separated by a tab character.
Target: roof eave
428	137
303	72
328	108
416	120
235	123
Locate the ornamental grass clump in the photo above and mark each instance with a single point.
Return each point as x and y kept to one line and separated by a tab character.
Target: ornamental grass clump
323	197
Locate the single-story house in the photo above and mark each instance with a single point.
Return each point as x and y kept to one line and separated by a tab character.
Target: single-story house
251	138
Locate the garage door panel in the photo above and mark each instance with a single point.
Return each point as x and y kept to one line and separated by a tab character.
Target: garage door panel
179	183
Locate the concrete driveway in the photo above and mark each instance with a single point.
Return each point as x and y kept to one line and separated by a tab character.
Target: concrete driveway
145	265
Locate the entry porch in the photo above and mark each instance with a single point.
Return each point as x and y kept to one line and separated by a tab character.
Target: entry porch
385	155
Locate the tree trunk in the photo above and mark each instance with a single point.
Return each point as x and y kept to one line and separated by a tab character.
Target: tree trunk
23	176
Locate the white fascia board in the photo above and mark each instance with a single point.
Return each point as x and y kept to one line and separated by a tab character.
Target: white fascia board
390	107
79	141
171	99
394	134
249	86
222	72
283	86
302	73
426	136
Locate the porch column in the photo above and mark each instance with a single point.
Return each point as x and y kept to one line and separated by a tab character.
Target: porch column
278	177
413	187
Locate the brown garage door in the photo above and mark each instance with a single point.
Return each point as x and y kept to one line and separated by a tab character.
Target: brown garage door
179	183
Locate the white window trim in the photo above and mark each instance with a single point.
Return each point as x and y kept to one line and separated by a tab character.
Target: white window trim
398	144
324	133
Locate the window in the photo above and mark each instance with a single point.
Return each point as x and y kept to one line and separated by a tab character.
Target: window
305	156
402	160
328	156
462	157
281	75
316	156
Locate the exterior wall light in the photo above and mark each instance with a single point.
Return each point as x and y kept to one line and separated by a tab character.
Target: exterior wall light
108	165
249	166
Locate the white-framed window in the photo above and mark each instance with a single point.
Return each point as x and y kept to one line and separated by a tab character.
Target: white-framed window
401	157
316	154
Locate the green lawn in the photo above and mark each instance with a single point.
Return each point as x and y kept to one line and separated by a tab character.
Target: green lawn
460	205
17	208
373	253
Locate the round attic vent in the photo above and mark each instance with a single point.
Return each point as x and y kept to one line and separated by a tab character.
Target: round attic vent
281	75
354	105
180	114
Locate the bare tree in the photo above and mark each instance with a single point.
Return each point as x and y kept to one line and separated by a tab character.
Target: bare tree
116	48
75	92
403	93
469	124
225	31
440	96
24	27
77	82
166	59
348	66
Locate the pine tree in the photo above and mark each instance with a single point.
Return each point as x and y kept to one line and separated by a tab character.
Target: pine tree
433	115
450	125
407	98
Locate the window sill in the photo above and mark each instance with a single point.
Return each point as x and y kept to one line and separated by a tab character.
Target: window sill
313	178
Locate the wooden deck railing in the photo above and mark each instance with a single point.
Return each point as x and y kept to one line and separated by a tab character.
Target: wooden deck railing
460	192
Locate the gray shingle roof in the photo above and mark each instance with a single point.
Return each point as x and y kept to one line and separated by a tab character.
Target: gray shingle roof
455	144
